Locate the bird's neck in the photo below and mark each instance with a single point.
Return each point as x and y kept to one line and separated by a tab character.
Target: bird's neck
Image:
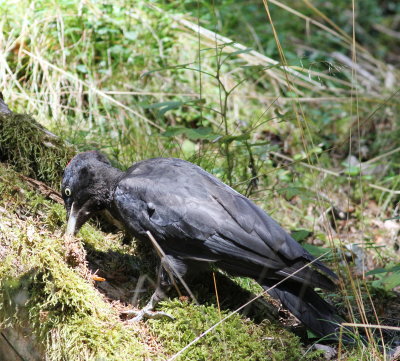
114	175
111	176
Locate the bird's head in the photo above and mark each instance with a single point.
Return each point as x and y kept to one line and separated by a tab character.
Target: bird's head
85	188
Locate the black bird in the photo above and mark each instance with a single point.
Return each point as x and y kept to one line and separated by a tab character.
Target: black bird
197	220
3	106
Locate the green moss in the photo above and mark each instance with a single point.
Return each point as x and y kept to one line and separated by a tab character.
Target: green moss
235	339
69	317
66	312
31	150
55	216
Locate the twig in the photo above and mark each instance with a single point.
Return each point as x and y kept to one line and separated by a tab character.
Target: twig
394	328
113	92
44	189
383	189
12	347
323	170
379	157
356	67
387	31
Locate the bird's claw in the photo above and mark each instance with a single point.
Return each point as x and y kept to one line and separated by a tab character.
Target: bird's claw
136	316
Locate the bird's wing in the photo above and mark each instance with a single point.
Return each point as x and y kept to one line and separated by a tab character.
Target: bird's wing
177	200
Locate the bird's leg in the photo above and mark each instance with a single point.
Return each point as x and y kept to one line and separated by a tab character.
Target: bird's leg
164	284
147	311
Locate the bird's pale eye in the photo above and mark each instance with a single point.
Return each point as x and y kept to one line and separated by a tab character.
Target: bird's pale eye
67	192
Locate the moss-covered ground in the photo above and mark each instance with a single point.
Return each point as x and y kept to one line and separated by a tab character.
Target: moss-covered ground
39	289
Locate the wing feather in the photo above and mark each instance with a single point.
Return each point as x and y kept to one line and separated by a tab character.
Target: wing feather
182	202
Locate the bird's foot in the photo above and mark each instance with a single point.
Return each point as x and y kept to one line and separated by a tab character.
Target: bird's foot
144	314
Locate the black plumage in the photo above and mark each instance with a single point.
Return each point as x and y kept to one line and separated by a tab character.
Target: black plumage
198	220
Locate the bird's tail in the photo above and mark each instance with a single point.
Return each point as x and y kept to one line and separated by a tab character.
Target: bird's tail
317	314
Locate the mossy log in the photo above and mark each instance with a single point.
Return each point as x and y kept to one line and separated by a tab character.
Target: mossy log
18	344
31	149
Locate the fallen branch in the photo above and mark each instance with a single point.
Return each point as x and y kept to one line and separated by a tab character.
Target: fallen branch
43	188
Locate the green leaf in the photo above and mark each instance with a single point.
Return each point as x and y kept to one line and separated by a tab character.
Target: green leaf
159	105
163	107
174	131
317	251
389	219
243	51
395	268
387	278
219	46
237	138
311	334
104	30
376	271
201	133
116	49
391	281
70	30
300	234
291	192
188	147
82	68
300	156
191	133
352	170
316	150
261	67
181	66
131	35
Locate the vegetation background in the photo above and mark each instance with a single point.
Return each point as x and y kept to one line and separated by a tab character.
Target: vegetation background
293	103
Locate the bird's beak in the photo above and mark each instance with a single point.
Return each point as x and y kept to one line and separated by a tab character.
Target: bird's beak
71	226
